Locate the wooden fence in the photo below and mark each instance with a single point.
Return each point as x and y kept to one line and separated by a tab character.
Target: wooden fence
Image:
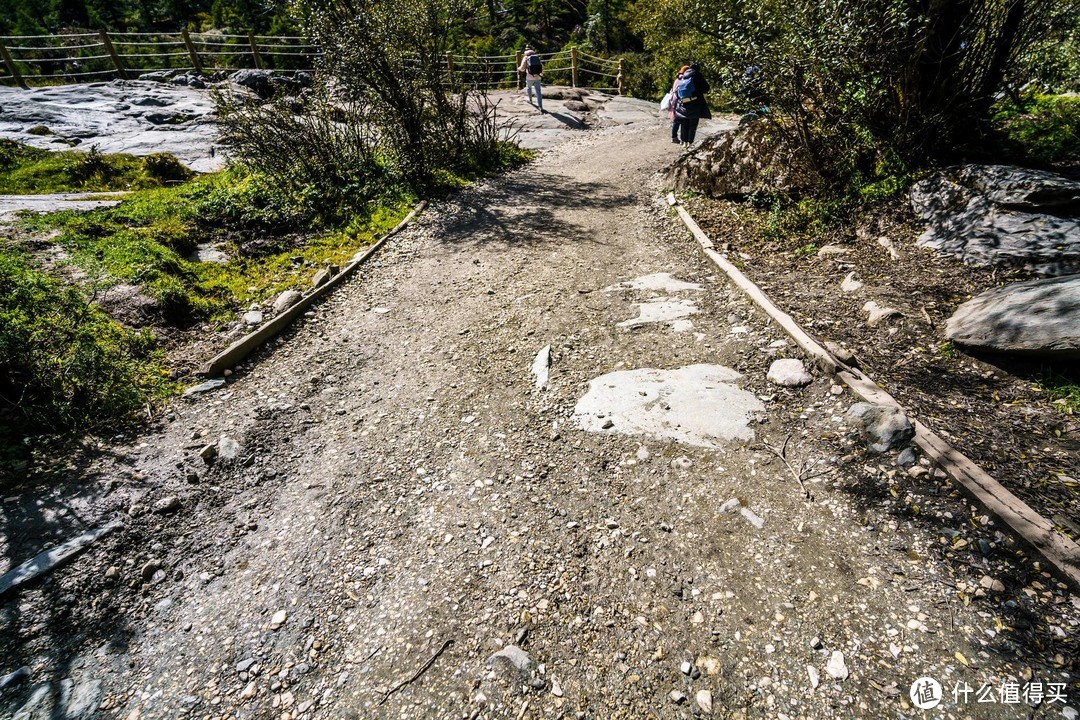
83	57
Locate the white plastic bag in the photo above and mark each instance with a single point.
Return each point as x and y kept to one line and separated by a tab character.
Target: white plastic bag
665	104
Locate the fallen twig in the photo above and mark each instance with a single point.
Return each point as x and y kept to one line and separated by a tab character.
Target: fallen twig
419	672
782	454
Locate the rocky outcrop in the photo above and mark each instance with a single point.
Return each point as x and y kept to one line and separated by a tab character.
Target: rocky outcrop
140	117
752	159
1002	215
1040	318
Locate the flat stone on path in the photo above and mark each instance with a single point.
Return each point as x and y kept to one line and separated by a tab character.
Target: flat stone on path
697	404
658	282
1038	317
671	311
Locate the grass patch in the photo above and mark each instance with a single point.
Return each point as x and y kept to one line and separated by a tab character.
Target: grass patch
1044	128
1064	390
26	170
66	363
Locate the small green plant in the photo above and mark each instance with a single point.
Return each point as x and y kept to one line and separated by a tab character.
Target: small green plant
947	350
1045	128
1064	390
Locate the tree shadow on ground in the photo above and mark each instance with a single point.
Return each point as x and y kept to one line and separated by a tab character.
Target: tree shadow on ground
528	207
50	624
972	551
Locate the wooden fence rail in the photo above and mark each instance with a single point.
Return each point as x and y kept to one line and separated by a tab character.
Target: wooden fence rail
92	56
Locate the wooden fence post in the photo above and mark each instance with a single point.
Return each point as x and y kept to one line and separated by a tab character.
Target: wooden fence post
11	67
517	73
620	76
573	66
255	51
107	42
195	63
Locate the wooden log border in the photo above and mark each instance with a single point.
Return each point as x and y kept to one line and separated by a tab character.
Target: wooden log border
239	350
1060	551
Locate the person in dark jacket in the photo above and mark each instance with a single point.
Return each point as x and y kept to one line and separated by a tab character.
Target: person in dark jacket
691	106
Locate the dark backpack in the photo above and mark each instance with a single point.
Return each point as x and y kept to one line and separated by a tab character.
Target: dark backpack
534	65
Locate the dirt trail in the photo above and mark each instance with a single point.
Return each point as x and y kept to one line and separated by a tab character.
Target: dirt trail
401	493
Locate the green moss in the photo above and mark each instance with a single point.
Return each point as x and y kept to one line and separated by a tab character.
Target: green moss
66	363
26	170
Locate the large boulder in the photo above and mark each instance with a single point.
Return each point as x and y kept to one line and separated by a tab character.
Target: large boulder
751	159
258	81
1002	215
1039	317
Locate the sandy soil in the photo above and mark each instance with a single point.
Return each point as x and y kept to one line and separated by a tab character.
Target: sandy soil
396	502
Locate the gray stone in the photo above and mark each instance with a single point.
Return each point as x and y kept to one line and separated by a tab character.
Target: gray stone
253	317
208	453
906	457
850	284
148	570
677	696
286	300
788	373
207	386
227	448
14	677
576	106
80	701
704	701
324	275
1036	318
258	81
1002	215
877	314
814	675
753	158
167	505
39	706
516	657
884	427
541	366
244	665
836	667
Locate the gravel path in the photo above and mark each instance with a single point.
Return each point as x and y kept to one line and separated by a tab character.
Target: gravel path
395	502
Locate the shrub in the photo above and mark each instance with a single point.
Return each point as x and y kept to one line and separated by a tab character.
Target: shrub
1045	129
64	364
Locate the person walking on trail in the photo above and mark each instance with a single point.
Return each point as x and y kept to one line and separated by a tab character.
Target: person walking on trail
534	70
676	121
690	102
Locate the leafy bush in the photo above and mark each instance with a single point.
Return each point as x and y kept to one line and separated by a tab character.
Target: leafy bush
388	61
861	86
1045	128
64	364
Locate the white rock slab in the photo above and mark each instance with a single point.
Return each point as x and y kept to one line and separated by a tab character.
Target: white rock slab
697	405
670	311
658	282
541	365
